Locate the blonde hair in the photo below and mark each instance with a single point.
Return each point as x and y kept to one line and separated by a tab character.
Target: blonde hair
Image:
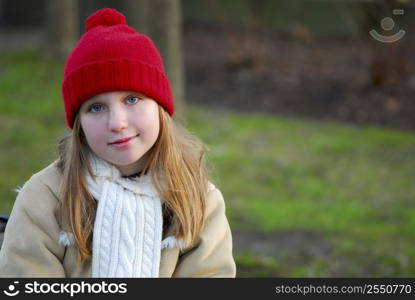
178	171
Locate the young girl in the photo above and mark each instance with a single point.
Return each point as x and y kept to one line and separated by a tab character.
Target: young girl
129	195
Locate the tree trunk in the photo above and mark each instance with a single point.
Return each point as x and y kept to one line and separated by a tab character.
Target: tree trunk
62	27
162	21
1	12
388	65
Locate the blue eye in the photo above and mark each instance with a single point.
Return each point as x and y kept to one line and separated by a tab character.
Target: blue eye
94	107
135	99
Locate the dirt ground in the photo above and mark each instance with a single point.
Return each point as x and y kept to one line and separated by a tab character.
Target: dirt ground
297	74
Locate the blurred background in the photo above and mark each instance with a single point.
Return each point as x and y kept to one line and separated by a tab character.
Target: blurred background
307	106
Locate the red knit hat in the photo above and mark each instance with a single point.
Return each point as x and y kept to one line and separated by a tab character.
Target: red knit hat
112	56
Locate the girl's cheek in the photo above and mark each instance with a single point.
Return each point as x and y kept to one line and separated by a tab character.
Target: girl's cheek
92	130
151	126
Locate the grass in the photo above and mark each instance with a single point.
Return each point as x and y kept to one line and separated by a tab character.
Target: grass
296	168
336	179
31	118
352	185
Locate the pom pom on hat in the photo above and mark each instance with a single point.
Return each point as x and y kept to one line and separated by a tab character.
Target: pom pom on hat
105	17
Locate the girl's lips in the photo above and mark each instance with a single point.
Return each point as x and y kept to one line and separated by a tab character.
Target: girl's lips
124	142
120	141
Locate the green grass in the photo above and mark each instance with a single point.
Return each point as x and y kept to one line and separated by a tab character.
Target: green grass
291	174
353	185
31	118
328	177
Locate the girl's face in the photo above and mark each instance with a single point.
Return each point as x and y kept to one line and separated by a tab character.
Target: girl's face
110	117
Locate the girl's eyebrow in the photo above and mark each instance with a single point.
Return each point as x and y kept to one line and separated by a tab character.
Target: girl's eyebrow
134	93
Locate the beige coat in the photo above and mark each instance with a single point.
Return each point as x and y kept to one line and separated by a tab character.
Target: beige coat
31	247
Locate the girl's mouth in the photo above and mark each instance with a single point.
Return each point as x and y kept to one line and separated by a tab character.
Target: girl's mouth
122	143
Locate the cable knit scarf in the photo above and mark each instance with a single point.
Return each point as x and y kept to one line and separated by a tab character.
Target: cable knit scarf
128	224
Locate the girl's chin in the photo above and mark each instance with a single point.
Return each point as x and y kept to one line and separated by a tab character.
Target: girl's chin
123	163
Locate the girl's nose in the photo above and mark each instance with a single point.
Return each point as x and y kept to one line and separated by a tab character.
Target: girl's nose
117	120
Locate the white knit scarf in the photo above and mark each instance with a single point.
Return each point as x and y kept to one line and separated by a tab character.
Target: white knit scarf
128	224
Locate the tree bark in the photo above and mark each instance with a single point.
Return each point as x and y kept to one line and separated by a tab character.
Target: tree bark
161	20
62	27
1	12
